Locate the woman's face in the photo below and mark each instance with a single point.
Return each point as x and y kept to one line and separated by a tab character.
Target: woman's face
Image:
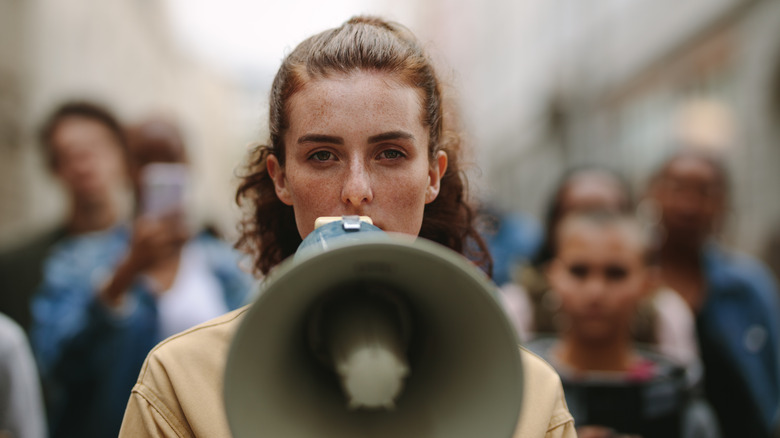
356	145
88	158
599	275
691	196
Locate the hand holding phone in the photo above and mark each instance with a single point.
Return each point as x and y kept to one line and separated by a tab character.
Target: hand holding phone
163	188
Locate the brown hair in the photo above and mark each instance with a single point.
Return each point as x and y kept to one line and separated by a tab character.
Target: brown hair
715	161
369	44
555	211
84	110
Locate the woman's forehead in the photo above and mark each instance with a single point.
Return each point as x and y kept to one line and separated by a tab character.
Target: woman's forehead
357	100
337	84
695	167
615	236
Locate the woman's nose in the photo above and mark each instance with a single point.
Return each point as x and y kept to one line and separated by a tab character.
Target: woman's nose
82	164
594	287
357	186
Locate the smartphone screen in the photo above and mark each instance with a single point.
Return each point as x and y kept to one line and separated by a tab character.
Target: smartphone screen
163	188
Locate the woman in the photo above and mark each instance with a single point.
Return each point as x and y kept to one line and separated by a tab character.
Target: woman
356	127
603	267
108	296
663	319
732	295
583	188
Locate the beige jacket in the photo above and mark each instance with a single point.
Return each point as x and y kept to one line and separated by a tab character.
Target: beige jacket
179	390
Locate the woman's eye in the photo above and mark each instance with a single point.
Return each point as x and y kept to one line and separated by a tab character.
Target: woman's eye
616	273
322	156
578	271
391	154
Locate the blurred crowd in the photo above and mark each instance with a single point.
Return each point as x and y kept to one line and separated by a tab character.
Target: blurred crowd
98	292
655	327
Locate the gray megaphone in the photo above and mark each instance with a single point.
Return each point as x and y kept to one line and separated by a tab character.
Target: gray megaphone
367	334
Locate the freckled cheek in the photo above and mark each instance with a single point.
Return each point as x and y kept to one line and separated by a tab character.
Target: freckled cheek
318	194
313	196
405	202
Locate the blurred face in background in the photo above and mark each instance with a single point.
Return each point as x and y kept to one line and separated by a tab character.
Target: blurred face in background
87	158
691	196
600	275
356	145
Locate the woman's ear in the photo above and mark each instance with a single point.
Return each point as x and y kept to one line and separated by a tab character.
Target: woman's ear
276	172
435	173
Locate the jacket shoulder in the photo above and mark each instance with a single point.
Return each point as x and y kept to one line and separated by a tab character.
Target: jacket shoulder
544	411
208	339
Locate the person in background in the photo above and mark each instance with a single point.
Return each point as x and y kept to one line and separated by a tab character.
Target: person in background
770	252
732	295
200	279
580	188
601	271
108	297
21	401
84	147
512	239
663	320
356	128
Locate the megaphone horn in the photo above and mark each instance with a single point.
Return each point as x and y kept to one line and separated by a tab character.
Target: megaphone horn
365	334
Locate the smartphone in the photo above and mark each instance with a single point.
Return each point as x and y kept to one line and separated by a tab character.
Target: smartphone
164	188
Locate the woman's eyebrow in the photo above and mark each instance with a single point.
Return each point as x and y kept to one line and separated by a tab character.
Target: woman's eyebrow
320	138
392	135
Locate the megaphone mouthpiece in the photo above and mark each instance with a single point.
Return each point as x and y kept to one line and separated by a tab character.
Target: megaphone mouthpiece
350	222
372	377
364	329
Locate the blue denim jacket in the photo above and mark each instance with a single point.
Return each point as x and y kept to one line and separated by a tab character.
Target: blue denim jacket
512	244
739	337
89	355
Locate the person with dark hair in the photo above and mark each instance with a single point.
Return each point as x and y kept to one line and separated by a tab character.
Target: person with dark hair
84	147
356	128
603	268
108	297
662	319
582	188
733	296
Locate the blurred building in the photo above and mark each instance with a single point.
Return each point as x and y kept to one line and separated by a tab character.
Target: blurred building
547	84
119	53
544	84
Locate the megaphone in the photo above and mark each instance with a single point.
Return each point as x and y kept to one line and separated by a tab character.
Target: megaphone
367	334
